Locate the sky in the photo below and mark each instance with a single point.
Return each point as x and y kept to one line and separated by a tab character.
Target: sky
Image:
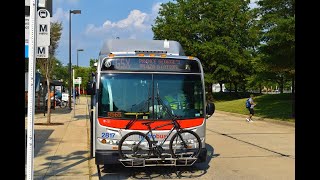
101	20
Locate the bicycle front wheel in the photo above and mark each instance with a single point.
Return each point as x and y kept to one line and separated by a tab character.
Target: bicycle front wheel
64	104
134	145
184	144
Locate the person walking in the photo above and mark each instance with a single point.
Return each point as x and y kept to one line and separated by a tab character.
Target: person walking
250	106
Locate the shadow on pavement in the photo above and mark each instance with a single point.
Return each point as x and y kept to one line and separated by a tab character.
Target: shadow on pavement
40	138
210	155
81	117
59	110
159	172
49	124
55	111
63	164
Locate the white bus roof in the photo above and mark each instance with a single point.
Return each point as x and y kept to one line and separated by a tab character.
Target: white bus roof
134	46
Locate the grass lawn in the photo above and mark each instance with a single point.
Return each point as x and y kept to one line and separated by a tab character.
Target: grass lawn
274	106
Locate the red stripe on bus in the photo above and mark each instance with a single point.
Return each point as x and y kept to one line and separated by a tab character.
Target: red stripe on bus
121	123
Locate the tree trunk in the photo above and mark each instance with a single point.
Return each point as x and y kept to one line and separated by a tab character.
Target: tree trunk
209	92
235	87
48	101
44	100
293	98
209	88
281	84
260	88
220	87
293	85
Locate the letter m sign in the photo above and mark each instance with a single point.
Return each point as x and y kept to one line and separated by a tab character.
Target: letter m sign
42	52
43	28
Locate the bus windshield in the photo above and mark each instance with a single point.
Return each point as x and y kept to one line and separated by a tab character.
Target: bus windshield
134	96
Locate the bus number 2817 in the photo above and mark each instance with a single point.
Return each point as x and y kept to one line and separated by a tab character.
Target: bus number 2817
108	135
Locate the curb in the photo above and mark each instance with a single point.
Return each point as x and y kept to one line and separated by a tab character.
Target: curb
275	121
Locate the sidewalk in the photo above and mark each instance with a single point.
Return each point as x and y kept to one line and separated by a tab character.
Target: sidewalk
62	149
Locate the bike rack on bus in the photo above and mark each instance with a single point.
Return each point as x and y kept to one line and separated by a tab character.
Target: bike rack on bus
166	160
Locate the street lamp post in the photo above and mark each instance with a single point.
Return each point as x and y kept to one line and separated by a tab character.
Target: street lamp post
70	72
77	56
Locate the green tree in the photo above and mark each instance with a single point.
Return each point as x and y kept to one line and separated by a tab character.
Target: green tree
219	32
86	73
277	25
83	72
60	72
93	68
46	64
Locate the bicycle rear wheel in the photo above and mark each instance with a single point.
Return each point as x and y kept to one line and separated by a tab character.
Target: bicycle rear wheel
134	145
184	144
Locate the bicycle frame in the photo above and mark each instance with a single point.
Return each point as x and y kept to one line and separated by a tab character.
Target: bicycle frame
175	127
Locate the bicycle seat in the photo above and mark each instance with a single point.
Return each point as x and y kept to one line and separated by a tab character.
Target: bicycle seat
147	123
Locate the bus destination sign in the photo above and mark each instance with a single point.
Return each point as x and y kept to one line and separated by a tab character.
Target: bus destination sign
151	64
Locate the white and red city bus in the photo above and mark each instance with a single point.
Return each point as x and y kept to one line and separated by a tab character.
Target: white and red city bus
130	73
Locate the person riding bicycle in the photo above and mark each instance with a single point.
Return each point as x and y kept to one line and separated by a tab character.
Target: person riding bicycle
58	98
58	95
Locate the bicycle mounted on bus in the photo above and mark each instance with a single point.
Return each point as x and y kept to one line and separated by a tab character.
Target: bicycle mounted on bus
136	147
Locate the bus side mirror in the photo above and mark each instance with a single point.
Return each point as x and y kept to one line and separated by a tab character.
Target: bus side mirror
91	88
210	109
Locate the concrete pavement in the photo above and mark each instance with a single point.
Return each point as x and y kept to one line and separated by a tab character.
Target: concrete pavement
242	150
62	149
237	150
262	149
